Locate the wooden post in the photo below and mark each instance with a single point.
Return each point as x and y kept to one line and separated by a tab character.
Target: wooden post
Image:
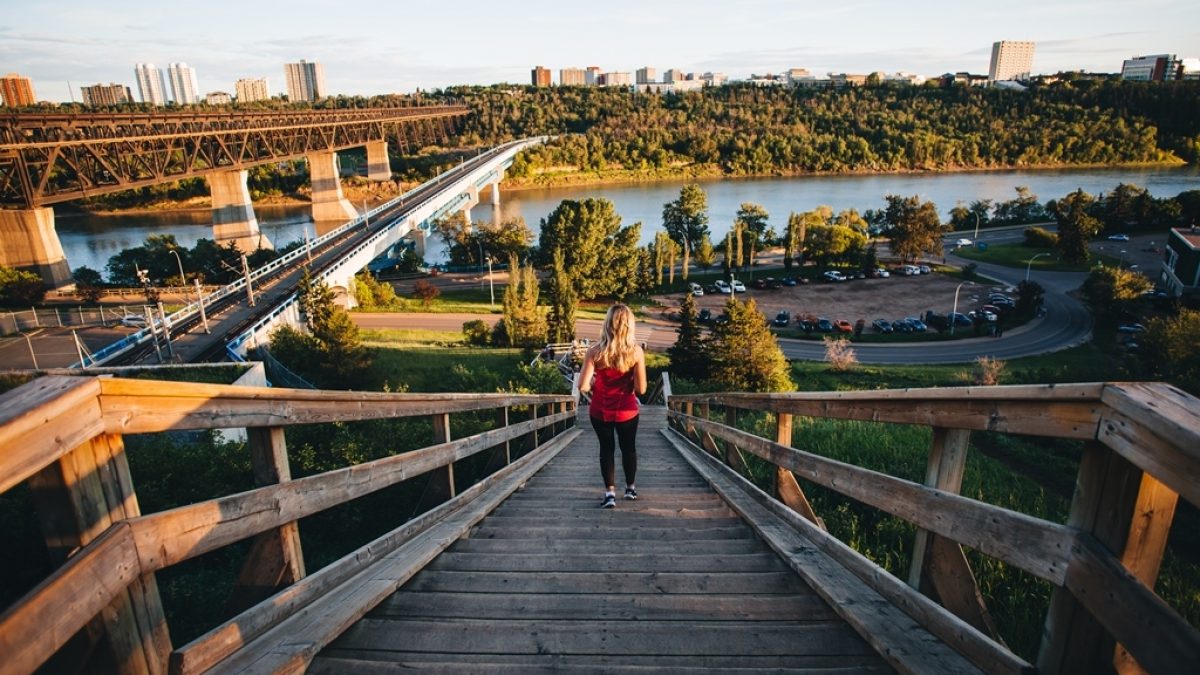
442	483
78	498
275	559
533	435
939	567
689	428
1109	493
502	421
787	489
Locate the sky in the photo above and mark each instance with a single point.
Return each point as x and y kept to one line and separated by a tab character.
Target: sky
370	47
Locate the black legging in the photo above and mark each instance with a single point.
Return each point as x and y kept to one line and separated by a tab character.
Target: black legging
626	434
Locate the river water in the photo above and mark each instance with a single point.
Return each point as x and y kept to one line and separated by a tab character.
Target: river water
90	240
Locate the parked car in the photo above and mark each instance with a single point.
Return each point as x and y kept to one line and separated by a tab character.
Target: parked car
738	287
902	326
807	325
1131	328
911	270
917	324
843	326
833	276
1118	237
760	284
882	273
960	319
789	281
963	242
981	315
924	269
825	325
695	288
132	321
882	325
773	283
782	319
722	319
722	286
704	316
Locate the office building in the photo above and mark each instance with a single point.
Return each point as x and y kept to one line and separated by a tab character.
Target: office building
305	81
218	98
152	88
1189	69
106	94
540	76
17	90
714	79
1011	60
1154	68
591	76
248	90
184	90
674	75
646	75
617	79
572	77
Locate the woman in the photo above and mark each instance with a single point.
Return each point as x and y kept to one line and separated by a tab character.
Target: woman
614	371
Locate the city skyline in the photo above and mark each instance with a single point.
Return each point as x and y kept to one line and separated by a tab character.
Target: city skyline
368	51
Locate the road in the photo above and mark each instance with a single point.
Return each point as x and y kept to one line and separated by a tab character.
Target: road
657	335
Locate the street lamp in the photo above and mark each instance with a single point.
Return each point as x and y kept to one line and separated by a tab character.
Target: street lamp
1122	265
954	312
182	278
976	239
491	288
1030	263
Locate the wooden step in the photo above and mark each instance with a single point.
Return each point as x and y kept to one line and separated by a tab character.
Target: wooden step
341	661
763	583
604	562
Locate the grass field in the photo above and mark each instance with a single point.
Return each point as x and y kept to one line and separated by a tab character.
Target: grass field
1019	256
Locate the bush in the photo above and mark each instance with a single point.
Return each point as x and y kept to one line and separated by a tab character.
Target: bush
839	354
1038	237
19	288
968	270
477	332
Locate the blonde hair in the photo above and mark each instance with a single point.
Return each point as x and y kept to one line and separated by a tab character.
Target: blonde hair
616	348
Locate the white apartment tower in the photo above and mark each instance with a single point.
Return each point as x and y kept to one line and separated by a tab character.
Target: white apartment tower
1011	60
646	75
152	88
248	90
570	77
184	90
305	81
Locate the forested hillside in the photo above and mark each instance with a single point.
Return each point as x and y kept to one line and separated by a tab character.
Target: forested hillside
741	130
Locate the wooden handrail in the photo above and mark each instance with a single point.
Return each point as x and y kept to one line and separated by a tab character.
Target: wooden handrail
48	419
1154	426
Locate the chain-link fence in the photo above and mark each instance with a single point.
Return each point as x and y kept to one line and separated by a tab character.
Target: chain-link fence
15	321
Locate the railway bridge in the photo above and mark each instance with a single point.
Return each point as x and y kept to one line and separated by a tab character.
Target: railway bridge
507	564
48	158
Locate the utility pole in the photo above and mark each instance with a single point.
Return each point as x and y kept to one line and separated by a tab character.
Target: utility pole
200	304
246	273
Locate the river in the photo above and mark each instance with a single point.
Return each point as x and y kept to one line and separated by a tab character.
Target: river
90	240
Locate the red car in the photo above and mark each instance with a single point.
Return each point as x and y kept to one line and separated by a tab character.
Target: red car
843	326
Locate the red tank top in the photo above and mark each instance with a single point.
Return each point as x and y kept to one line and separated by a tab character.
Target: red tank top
613	399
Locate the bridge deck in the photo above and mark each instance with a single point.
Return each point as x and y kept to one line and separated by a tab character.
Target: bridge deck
674	582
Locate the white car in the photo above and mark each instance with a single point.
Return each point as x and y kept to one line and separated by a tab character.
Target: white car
132	321
924	269
722	286
738	287
695	289
911	270
963	242
882	273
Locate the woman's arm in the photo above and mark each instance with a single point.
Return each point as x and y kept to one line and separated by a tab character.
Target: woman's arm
585	374
639	373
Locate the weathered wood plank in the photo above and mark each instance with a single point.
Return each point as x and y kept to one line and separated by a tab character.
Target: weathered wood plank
616	531
170	537
601	562
293	643
35	627
1035	546
138	406
764	583
367	661
43	420
1177	466
896	636
699	547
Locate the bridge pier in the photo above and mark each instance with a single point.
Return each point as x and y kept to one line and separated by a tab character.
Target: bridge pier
28	242
233	212
378	167
329	205
472	195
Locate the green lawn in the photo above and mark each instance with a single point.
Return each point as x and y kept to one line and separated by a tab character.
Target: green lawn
1019	256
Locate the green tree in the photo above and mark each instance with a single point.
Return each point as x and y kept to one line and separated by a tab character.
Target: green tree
753	220
1172	351
1076	227
745	354
563	303
913	227
19	288
686	218
331	354
88	284
370	293
524	325
600	255
1113	291
706	257
689	355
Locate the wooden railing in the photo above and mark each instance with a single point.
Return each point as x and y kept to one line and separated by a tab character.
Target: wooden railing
64	437
1141	451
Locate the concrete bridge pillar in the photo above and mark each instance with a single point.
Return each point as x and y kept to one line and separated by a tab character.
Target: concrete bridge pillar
496	193
233	212
472	195
329	204
378	167
28	242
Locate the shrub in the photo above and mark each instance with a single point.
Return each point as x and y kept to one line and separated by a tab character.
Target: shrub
839	354
988	371
477	332
1038	237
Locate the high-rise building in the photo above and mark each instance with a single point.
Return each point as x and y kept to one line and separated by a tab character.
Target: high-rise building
1011	60
248	90
674	75
151	86
591	76
106	94
646	75
184	90
540	76
617	79
305	81
218	98
1154	68
568	77
17	90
